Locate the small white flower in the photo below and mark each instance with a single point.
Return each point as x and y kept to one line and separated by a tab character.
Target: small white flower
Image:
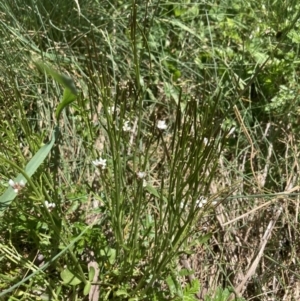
126	127
181	205
49	205
100	163
205	141
201	202
230	132
16	186
144	183
141	175
161	124
11	183
111	109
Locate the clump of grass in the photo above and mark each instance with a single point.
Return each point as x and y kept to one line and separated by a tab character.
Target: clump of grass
168	163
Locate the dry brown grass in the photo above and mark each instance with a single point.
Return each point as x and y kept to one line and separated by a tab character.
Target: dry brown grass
255	243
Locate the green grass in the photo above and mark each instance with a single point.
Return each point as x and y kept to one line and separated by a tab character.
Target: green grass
185	212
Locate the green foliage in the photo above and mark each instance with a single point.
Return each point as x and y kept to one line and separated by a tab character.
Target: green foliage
221	295
69	278
188	293
10	194
151	198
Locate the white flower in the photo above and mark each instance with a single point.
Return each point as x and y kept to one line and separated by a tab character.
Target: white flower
126	127
161	124
11	183
111	109
230	132
16	186
141	175
100	163
201	202
49	205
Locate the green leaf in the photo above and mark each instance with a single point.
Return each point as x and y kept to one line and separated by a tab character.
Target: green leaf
171	285
176	75
63	79
69	278
121	292
191	290
87	288
205	238
9	195
68	98
70	91
178	12
185	272
154	192
109	253
91	273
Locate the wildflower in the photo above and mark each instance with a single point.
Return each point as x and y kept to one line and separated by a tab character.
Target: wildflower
11	183
141	175
49	205
16	186
161	124
126	127
201	202
101	163
230	132
111	109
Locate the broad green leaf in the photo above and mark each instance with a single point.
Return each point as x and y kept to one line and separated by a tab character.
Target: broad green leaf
9	195
91	273
68	97
110	253
87	288
69	278
63	79
171	284
70	91
121	292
